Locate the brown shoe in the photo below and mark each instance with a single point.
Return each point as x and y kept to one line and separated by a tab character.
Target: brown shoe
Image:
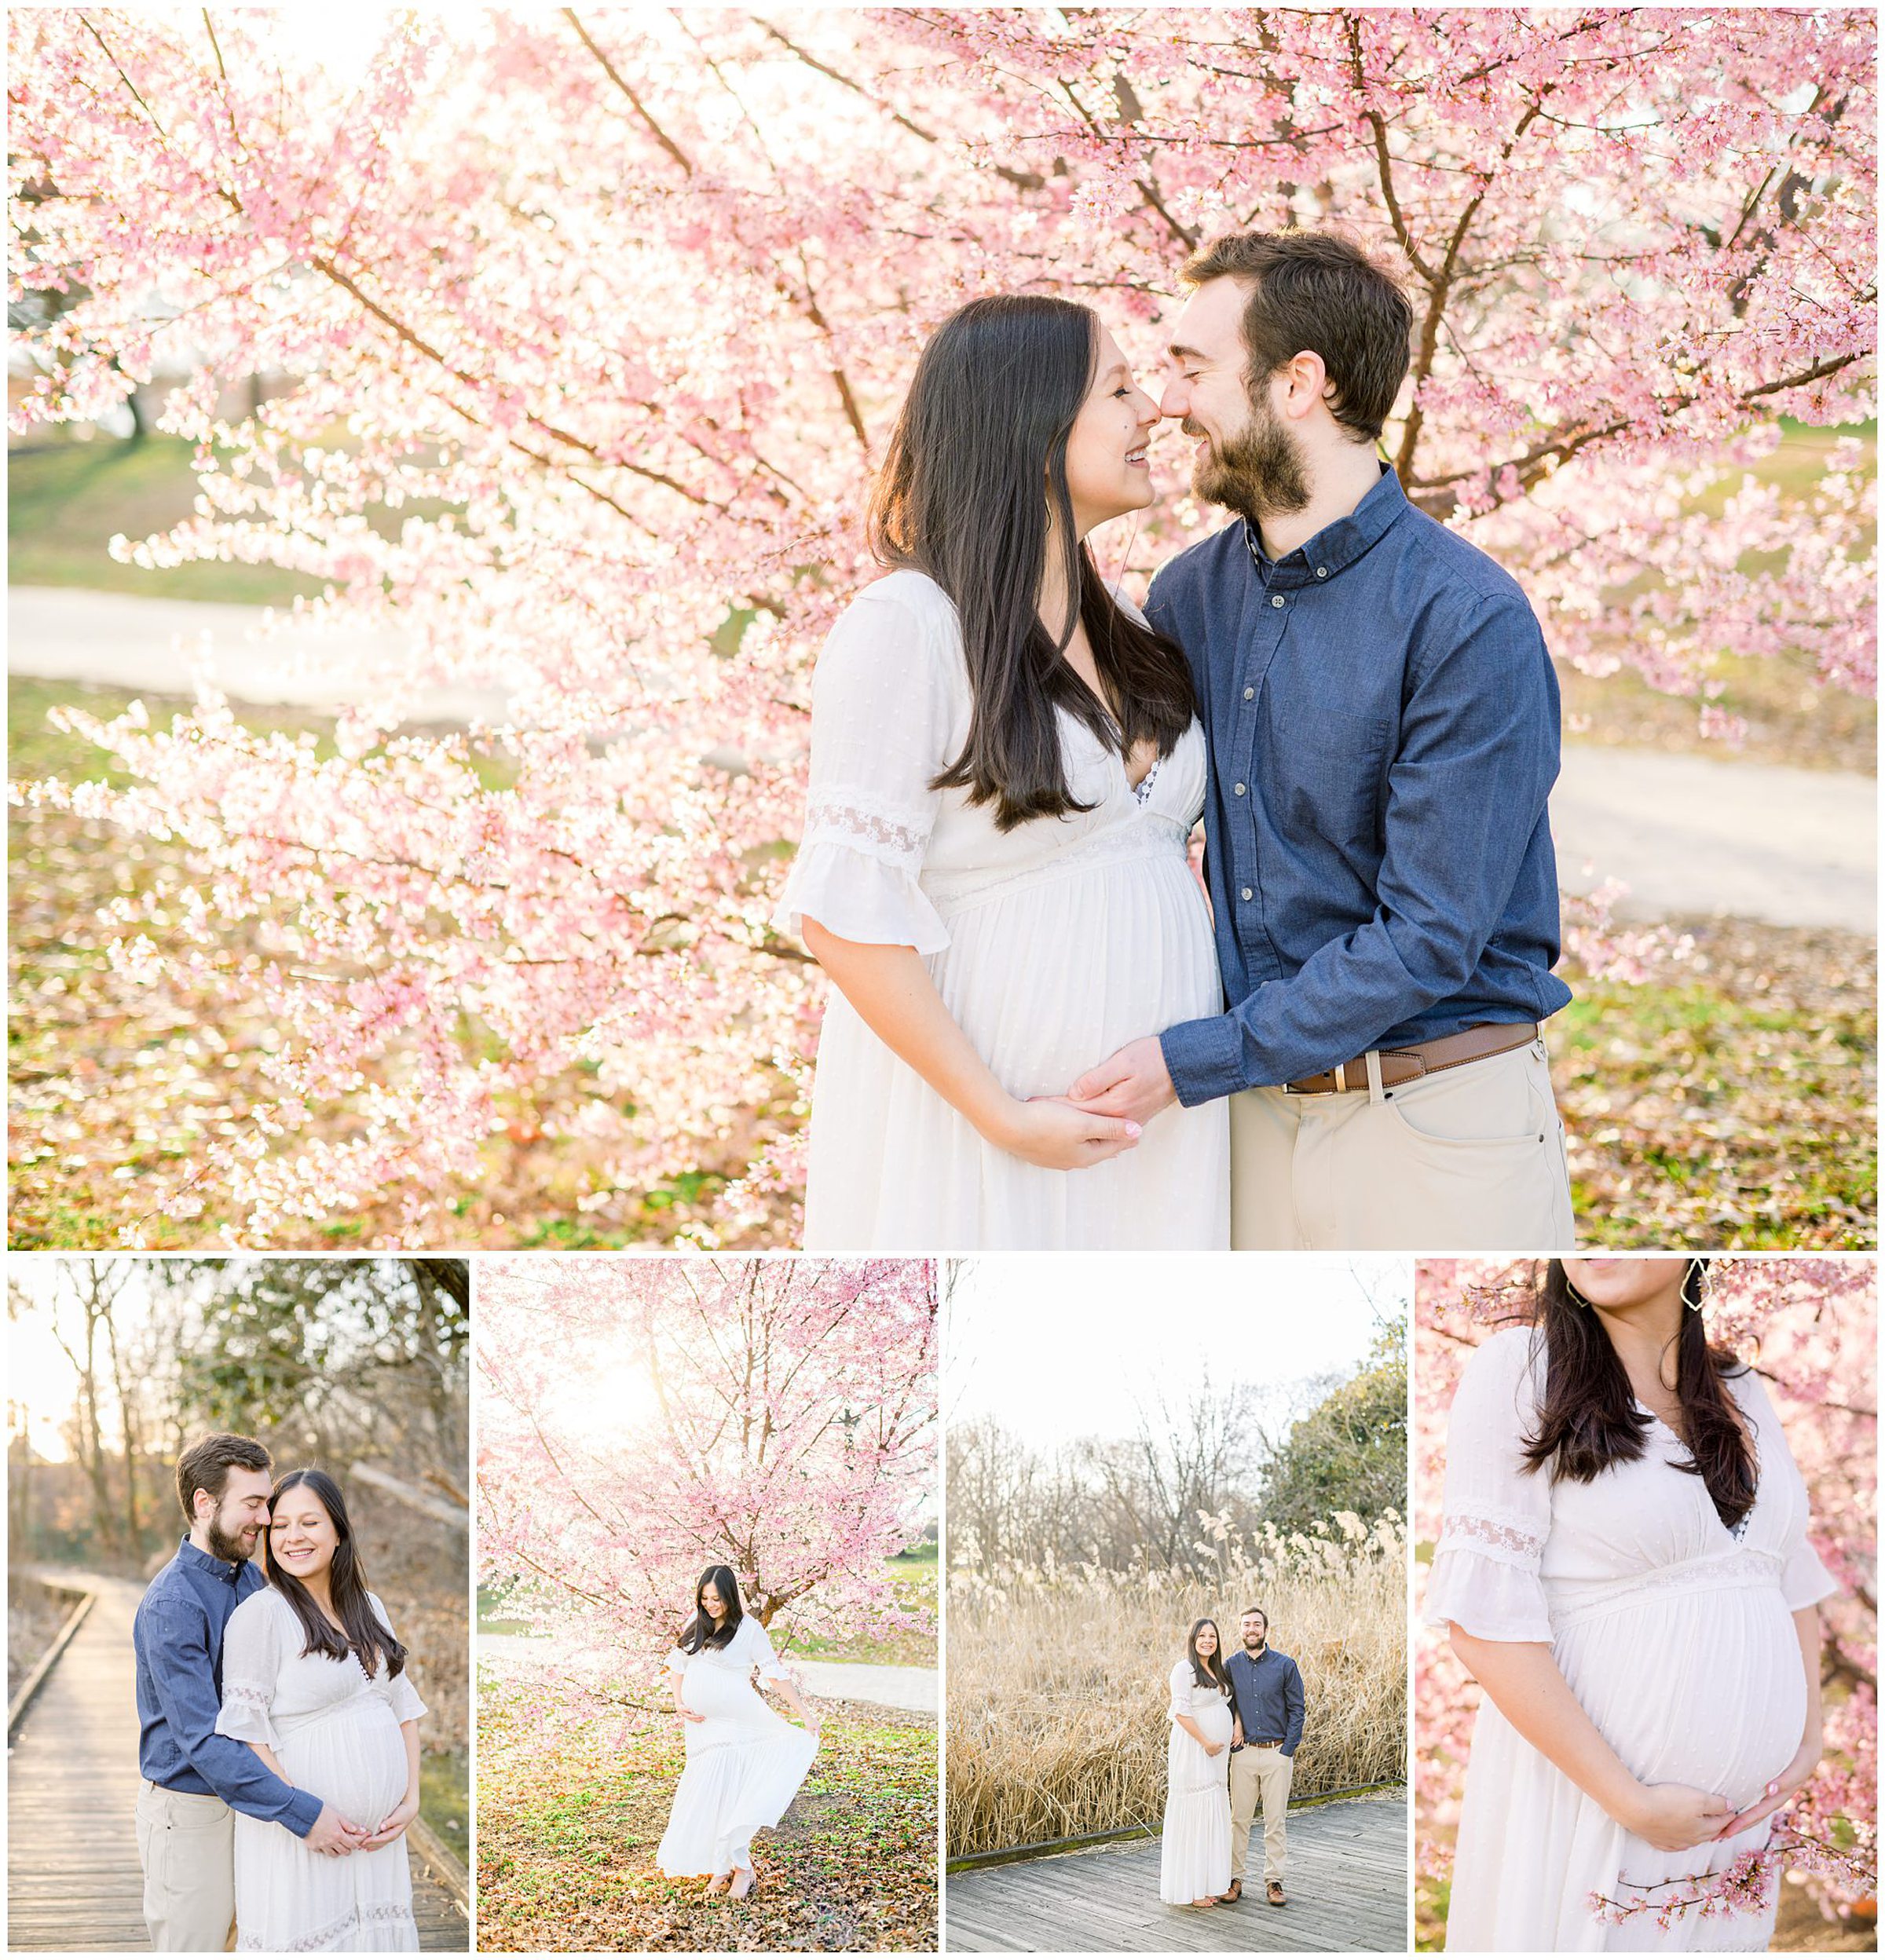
1230	1898
1276	1891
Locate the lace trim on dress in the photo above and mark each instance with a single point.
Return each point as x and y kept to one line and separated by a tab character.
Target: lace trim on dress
330	1937
1500	1539
250	1695
1739	1568
851	819
1735	1570
1149	834
1142	790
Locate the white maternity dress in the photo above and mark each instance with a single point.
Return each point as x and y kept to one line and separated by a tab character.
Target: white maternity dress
1674	1633
336	1734
745	1763
1052	944
1194	1849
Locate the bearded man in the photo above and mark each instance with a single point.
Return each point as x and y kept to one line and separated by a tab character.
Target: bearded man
1382	718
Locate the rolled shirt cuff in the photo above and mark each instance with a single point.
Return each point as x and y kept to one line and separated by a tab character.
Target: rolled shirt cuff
1204	1058
303	1812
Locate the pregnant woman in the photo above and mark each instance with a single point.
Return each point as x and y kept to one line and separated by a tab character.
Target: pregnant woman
745	1764
1194	1851
315	1681
1005	769
1624	1567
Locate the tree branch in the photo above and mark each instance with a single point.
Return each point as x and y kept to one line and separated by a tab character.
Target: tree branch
640	108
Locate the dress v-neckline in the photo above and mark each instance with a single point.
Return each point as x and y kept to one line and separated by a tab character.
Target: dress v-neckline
1738	1531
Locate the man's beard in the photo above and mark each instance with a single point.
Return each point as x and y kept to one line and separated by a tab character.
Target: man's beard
231	1551
1258	473
1256	1647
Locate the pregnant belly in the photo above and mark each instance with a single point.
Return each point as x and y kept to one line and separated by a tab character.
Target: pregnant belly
1701	1688
1050	979
1215	1720
354	1759
732	1707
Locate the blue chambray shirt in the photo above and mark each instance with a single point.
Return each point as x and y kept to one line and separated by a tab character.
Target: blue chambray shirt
1267	1691
1383	725
177	1633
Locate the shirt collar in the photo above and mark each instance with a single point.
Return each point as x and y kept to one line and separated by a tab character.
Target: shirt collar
1335	546
201	1561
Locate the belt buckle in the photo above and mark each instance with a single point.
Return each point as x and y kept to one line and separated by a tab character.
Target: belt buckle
1338	1087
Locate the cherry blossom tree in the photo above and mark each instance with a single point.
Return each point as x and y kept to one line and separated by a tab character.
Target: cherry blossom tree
641	1418
1808	1327
596	322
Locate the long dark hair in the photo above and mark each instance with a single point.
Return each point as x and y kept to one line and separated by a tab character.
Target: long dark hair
978	450
363	1635
1589	1420
701	1630
1212	1673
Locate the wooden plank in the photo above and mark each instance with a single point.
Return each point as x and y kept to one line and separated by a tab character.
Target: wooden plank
1347	1887
73	1880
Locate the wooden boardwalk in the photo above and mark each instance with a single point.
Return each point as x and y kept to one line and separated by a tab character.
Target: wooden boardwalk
73	1881
1347	1887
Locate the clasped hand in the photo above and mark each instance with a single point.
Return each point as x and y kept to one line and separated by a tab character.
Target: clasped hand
1102	1115
1133	1084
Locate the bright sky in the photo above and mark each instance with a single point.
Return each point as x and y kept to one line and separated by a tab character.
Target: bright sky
40	1383
1073	1345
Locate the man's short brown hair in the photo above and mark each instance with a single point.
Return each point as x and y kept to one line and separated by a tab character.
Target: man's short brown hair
206	1464
1319	293
1258	1611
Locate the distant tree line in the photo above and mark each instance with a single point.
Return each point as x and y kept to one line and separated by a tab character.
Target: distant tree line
359	1365
1224	1460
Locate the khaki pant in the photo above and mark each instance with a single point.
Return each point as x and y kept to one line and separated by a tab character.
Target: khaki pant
187	1846
1469	1160
1259	1776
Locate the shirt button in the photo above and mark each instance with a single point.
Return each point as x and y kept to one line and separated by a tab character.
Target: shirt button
1249	694
1322	570
1248	893
1239	789
1276	598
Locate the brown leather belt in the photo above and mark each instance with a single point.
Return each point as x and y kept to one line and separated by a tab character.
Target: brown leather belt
1400	1067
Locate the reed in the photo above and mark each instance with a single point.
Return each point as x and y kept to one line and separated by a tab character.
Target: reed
1057	1723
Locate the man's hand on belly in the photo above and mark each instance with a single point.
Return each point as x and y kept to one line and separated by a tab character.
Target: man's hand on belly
1134	1083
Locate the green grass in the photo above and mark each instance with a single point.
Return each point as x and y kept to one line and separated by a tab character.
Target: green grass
912	1576
444	1797
570	1812
66	500
1728	1102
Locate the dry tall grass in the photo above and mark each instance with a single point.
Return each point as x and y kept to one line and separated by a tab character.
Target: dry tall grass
1057	1723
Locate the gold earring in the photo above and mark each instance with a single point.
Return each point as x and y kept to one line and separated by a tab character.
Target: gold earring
1577	1299
1702	1272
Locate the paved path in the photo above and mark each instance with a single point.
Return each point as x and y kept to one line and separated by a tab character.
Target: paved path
1693	834
115	639
73	1881
1687	833
1347	1891
914	1688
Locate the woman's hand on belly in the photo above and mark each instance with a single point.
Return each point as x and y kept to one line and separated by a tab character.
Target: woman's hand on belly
1060	1136
1780	1792
393	1824
1673	1817
894	997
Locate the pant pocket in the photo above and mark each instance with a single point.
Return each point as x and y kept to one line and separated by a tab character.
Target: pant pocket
1492	1105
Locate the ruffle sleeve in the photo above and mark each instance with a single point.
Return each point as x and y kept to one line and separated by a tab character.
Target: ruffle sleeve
1180	1683
881	709
1497	1514
677	1661
251	1665
759	1650
1804	1581
401	1691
